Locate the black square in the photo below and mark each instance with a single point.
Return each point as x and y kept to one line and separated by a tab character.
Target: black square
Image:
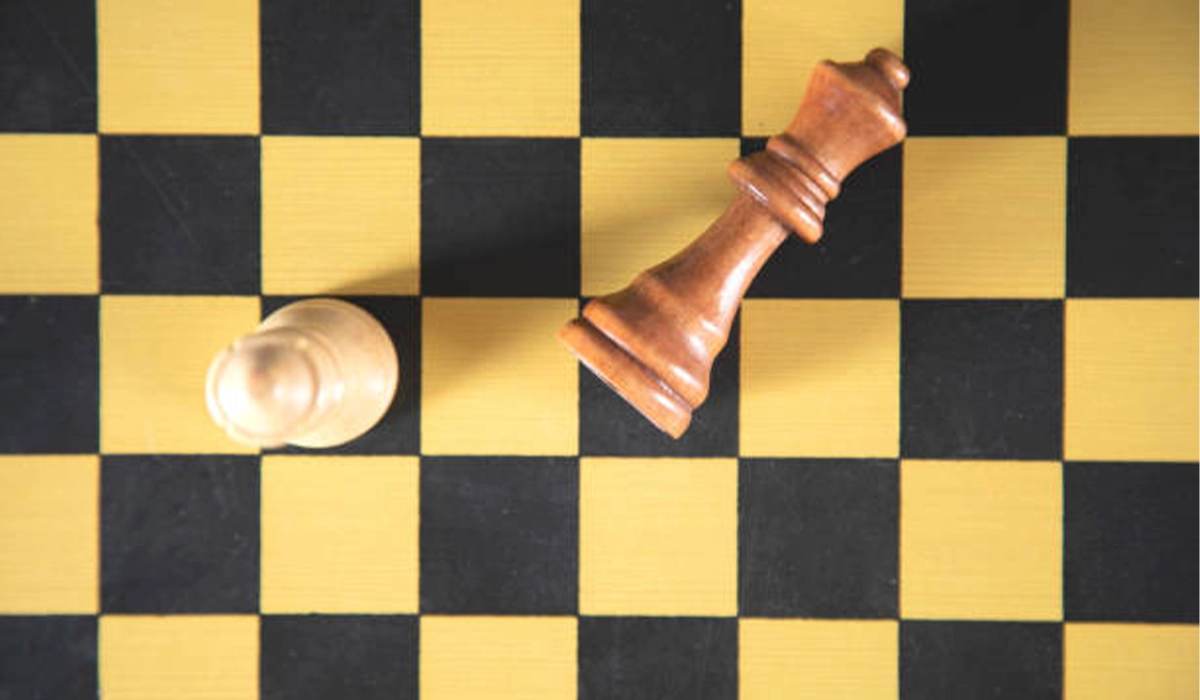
316	657
982	67
48	66
661	68
1132	217
500	217
649	658
179	214
179	534
609	426
1130	542
398	432
994	660
499	535
340	68
858	256
48	657
818	538
50	385
981	379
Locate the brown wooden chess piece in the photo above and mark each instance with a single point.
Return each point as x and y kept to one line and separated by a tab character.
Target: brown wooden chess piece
654	341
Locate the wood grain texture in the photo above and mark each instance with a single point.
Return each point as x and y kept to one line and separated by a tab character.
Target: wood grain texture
985	218
341	215
167	68
498	658
1131	381
498	69
49	534
154	354
981	540
339	534
495	382
188	657
658	536
820	377
782	41
1108	661
48	210
643	199
819	659
1133	67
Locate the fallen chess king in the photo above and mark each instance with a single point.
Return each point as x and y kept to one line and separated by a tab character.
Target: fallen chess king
322	372
654	342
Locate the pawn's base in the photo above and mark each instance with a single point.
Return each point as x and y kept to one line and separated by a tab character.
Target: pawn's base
620	370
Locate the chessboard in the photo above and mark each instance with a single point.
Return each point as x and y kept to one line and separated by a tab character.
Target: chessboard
950	451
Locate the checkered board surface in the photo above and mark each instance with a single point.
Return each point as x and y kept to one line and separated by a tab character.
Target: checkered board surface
950	452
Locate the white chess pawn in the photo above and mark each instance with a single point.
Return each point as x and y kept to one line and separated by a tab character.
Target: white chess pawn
315	373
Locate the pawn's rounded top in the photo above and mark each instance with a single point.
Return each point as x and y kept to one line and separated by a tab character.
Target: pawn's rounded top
262	388
890	65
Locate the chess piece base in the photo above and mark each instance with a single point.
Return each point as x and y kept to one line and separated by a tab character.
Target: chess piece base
626	375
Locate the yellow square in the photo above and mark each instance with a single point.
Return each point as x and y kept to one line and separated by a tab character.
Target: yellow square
183	657
339	534
341	215
783	40
498	658
495	380
1130	662
48	211
820	378
1133	67
154	354
658	536
49	534
818	659
981	540
1131	379
178	67
500	68
644	199
985	217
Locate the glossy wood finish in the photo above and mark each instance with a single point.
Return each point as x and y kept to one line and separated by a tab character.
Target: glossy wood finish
654	341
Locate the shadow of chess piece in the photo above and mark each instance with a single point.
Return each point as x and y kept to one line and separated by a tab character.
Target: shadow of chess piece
654	342
315	373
